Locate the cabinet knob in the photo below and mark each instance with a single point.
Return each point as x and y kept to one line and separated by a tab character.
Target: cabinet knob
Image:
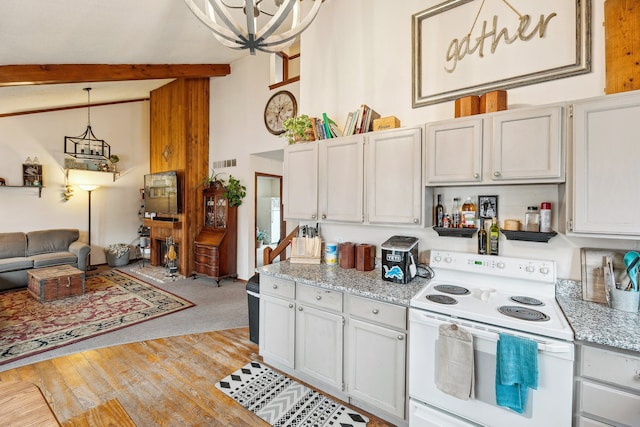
299	308
400	337
290	305
496	174
375	311
416	220
275	286
313	216
476	175
324	216
318	297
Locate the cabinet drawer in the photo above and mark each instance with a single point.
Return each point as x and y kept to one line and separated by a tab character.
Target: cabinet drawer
277	287
617	368
320	297
609	403
378	311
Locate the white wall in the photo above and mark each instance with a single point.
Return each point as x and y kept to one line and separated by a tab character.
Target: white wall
114	207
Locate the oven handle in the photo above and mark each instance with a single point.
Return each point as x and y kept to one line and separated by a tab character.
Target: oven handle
487	332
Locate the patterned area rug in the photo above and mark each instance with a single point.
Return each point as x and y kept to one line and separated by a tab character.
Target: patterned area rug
281	401
112	300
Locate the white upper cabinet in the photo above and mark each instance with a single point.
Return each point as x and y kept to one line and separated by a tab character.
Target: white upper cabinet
606	168
372	178
510	147
454	151
300	183
394	177
341	179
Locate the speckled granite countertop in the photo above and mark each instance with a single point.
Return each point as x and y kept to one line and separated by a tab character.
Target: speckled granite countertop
596	323
364	283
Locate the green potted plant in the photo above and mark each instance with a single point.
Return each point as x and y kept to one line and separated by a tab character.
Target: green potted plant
298	128
260	236
114	159
234	191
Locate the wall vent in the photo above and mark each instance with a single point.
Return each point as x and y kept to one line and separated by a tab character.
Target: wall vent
224	164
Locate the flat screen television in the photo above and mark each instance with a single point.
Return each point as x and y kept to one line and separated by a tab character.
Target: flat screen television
162	193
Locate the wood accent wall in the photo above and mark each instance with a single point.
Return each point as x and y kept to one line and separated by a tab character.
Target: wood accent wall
180	128
622	52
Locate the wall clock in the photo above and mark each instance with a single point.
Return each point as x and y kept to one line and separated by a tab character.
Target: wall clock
281	106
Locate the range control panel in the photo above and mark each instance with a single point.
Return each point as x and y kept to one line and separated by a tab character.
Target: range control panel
515	268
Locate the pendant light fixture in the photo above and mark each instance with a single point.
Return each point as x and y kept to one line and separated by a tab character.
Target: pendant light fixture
218	16
87	145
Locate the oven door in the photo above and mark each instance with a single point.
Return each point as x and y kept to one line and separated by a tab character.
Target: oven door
549	405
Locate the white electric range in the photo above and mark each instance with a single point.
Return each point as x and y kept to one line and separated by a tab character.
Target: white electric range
488	296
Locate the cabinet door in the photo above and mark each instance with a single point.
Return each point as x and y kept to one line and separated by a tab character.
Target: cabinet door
319	344
341	181
605	166
394	177
300	186
528	145
277	330
454	151
377	366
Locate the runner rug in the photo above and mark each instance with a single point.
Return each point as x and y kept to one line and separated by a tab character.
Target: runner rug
112	300
281	401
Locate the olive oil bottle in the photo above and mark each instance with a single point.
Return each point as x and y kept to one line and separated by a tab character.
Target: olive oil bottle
482	238
494	235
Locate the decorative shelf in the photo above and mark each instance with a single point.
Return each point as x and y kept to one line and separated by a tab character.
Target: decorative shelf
528	236
78	175
455	232
39	187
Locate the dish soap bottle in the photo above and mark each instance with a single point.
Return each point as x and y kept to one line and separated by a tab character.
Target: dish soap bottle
468	214
482	238
494	235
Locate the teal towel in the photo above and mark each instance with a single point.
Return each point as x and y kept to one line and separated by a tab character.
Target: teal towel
516	371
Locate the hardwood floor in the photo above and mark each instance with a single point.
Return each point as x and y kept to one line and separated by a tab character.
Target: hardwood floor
162	382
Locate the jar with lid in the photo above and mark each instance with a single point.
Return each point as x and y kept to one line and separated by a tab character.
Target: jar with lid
532	219
468	213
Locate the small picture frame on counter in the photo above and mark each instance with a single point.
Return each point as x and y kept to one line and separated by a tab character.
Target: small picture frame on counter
487	207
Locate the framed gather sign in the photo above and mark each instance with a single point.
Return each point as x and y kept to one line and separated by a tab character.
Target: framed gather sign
465	47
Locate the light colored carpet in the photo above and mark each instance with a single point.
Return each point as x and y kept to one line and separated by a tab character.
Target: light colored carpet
216	308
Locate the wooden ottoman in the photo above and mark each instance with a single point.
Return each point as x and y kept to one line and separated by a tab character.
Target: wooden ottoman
52	283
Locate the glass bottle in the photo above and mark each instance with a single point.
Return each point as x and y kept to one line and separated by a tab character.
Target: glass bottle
494	235
482	238
468	219
439	212
532	219
456	219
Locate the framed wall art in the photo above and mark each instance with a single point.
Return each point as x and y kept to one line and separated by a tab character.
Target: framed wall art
487	207
466	47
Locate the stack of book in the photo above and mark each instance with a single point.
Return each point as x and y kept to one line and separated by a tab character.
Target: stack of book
325	128
360	121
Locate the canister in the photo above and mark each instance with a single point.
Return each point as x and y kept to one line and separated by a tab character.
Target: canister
347	255
365	257
331	253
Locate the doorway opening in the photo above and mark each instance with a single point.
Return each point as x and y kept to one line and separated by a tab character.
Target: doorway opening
268	219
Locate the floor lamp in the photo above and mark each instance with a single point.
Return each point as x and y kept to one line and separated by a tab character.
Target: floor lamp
89	189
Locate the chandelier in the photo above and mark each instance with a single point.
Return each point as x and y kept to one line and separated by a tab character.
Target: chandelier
220	18
87	145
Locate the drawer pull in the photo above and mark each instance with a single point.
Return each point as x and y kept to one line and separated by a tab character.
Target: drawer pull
400	337
318	297
375	311
68	282
275	286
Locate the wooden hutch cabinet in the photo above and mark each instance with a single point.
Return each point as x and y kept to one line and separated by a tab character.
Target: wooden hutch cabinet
216	244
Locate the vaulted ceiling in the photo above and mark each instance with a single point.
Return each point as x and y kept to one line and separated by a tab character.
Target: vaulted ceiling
42	32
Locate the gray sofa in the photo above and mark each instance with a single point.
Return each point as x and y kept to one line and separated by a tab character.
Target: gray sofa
20	252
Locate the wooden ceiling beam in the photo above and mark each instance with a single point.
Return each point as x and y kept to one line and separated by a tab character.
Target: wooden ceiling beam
17	75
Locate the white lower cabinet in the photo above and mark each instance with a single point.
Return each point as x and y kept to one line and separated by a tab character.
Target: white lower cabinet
348	346
319	335
607	388
277	321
